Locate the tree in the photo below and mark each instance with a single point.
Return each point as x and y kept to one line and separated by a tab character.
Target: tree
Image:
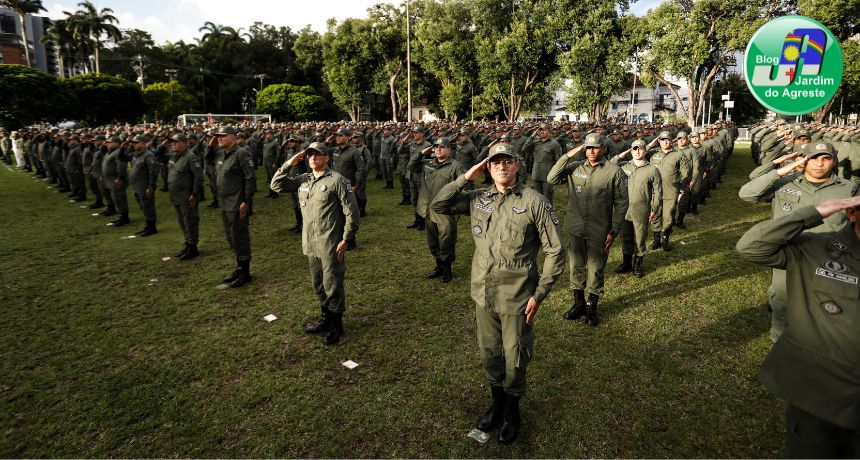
24	7
445	48
30	96
166	101
388	34
60	36
517	56
747	109
347	63
601	47
105	98
291	103
308	50
694	40
92	25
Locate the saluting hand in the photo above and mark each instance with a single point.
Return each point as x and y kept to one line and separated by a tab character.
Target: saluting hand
296	159
788	156
830	207
531	310
572	153
475	171
787	169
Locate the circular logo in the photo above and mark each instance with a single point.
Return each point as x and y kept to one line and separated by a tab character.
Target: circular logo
793	65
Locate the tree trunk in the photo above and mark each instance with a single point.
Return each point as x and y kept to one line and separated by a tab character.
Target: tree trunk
391	81
96	54
24	41
819	114
60	61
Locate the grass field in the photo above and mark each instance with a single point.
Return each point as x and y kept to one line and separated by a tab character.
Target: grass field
98	363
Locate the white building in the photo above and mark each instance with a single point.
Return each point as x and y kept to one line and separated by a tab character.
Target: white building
640	103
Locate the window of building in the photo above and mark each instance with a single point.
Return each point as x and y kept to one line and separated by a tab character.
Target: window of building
7	24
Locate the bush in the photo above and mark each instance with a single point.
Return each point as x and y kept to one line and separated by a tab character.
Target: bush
166	101
28	96
105	98
287	102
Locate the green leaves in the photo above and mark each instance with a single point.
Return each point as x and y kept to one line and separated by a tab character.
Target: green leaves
166	101
291	103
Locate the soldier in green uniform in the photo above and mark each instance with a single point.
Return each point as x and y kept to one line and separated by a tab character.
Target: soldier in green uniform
645	205
88	161
236	184
185	183
272	158
684	196
144	181
115	176
813	366
387	145
75	169
510	223
596	208
788	190
416	147
439	170
544	152
357	140
399	161
210	152
330	214
466	153
675	172
291	147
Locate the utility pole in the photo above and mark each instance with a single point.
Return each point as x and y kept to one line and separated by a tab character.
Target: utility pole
261	76
139	67
408	65
171	74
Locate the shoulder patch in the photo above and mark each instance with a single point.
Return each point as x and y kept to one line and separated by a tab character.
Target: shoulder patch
552	215
518	210
346	183
250	162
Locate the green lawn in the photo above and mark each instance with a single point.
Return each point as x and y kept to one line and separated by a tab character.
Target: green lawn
98	363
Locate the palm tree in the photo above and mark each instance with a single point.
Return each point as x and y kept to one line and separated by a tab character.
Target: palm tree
63	41
24	7
90	25
212	30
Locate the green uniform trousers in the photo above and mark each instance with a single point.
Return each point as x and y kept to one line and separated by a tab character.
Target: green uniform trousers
778	300
670	210
238	234
506	344
404	187
95	188
107	194
633	237
545	188
442	236
327	279
147	205
120	199
587	263
809	436
189	222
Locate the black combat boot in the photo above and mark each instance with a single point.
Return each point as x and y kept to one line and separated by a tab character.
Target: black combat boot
665	245
149	229
123	220
421	224
336	329
190	253
437	272
362	207
244	274
389	184
110	211
321	325
98	204
142	230
495	415
637	266
298	227
680	224
578	308
182	252
511	427
656	244
214	204
694	207
232	276
447	273
351	244
414	223
626	265
406	200
591	311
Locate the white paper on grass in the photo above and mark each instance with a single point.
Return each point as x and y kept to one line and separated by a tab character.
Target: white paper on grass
165	259
350	364
270	317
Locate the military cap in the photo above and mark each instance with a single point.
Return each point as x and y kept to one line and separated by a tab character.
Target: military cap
74	137
464	132
358	134
576	128
664	135
226	131
242	136
318	146
801	132
101	137
115	139
695	133
638	143
139	138
318	134
87	136
593	140
418	129
681	134
820	148
501	150
343	132
616	131
179	138
442	142
293	137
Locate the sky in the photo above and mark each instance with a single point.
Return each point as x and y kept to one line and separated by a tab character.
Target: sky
174	20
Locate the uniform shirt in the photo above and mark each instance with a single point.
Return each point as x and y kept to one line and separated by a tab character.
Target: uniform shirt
544	154
328	206
87	154
144	171
272	154
349	163
466	154
644	189
115	167
436	176
74	160
235	177
509	228
815	364
597	200
386	147
184	177
415	165
792	191
674	167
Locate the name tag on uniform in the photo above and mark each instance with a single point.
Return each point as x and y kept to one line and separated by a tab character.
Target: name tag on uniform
483	207
220	163
304	188
519	210
171	162
791	191
581	175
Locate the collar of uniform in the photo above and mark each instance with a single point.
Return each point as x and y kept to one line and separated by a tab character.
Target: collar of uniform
517	189
179	154
600	162
324	174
